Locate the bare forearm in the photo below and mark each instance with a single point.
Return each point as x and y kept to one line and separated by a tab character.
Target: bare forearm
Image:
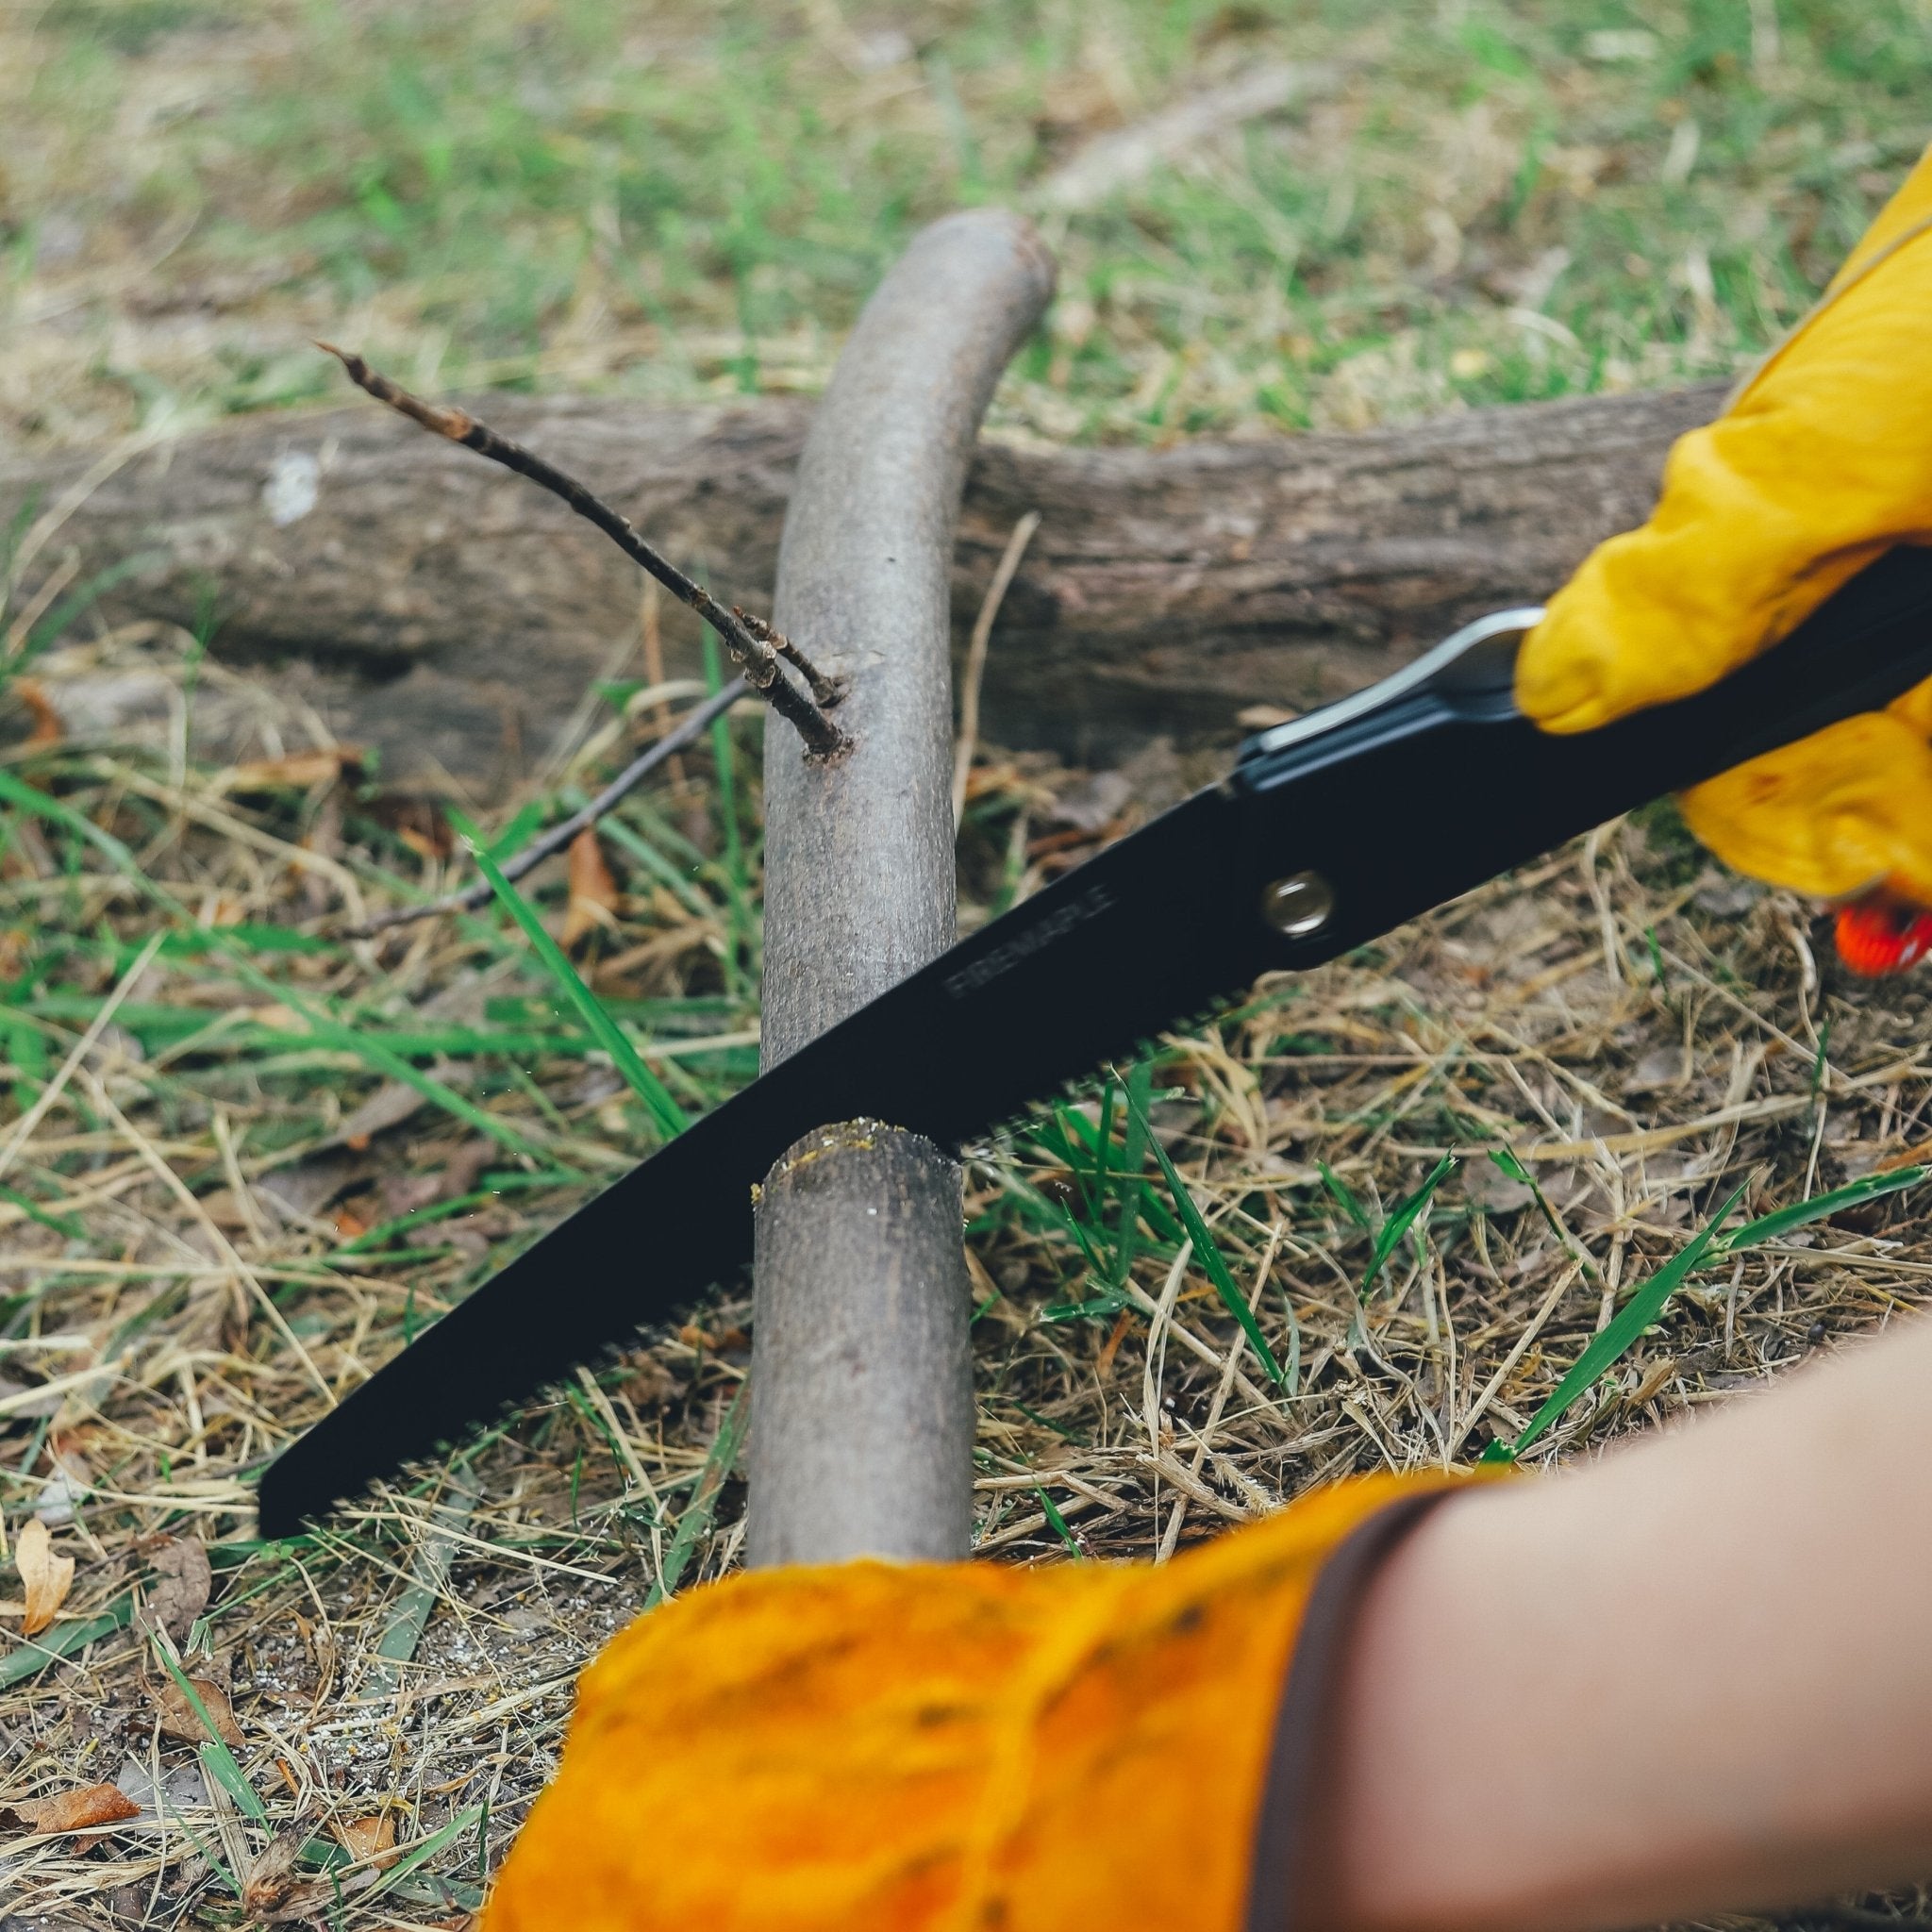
1690	1678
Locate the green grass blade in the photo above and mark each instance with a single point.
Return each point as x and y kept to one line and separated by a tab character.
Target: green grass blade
1784	1221
518	833
1210	1254
1606	1348
36	1652
422	1853
703	1506
71	1230
1060	1525
322	1025
1404	1218
666	1115
79	601
1344	1197
443	1211
1103	1143
1506	1162
215	1755
1137	1096
635	845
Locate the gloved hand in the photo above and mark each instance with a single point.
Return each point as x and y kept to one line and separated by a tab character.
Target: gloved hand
881	1748
1823	461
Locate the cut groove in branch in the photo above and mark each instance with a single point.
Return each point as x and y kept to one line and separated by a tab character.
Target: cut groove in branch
757	650
687	730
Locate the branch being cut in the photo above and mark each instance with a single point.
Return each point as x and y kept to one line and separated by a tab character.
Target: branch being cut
755	646
687	730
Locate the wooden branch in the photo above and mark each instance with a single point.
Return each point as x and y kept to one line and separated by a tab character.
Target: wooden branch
755	646
424	604
862	1434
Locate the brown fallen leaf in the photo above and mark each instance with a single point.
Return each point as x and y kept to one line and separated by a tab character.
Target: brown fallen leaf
592	888
418	822
350	1225
77	1810
296	772
182	1581
313	1900
722	1342
180	1718
271	1881
46	1577
369	1838
461	1170
390	1105
48	729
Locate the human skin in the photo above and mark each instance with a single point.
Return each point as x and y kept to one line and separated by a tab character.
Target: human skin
1693	1676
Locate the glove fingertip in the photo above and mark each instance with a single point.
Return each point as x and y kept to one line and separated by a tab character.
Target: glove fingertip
1557	684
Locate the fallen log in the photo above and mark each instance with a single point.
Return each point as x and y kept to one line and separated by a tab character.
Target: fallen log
429	606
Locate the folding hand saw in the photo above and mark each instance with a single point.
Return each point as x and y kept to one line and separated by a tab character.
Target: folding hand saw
1330	830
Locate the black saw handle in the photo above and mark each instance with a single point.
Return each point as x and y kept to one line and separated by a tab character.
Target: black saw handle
1351	830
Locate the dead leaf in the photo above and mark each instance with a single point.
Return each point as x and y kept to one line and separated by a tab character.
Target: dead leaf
722	1342
592	888
48	729
418	822
369	1838
77	1811
271	1881
1090	804
179	1591
179	1718
47	1579
224	1209
314	1899
464	1168
391	1105
296	772
403	1193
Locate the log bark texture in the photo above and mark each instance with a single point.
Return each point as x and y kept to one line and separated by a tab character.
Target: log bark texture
429	604
861	1426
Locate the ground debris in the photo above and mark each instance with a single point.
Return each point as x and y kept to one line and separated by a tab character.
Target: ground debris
1599	1059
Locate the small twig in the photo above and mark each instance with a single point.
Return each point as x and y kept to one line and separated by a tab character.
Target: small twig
687	729
759	658
828	691
975	656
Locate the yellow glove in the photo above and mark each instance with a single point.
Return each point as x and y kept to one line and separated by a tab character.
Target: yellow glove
1823	461
879	1748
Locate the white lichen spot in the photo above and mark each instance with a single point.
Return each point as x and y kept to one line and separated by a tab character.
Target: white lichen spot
294	481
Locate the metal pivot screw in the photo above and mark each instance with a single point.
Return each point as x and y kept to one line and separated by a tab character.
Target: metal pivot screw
1299	905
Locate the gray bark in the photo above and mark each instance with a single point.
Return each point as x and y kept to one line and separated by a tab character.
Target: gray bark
432	605
861	1397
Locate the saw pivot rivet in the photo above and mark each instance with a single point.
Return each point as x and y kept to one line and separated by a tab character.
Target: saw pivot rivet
1300	905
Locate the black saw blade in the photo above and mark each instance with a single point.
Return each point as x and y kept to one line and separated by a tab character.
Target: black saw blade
1145	934
1390	802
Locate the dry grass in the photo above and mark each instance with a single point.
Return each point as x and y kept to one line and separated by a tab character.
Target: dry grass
208	1237
229	1197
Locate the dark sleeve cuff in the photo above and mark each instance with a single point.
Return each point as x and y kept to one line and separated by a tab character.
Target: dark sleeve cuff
1278	1890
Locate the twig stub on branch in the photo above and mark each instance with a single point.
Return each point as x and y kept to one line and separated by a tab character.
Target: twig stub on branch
759	650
